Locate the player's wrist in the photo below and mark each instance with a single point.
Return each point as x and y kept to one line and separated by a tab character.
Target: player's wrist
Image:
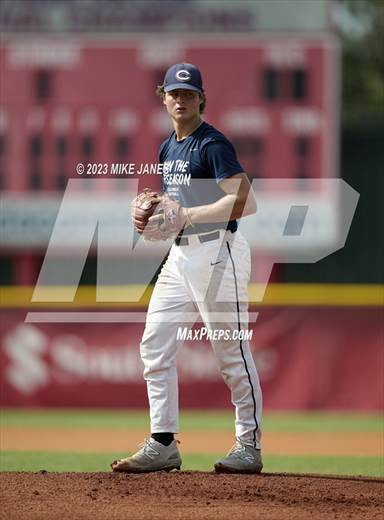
187	217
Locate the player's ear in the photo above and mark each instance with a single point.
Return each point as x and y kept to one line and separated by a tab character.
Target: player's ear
203	101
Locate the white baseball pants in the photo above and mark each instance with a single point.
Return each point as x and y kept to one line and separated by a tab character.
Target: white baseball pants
189	283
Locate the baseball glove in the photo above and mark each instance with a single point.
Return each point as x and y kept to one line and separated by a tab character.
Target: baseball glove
143	207
157	216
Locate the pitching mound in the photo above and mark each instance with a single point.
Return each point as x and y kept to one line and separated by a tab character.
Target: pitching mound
188	495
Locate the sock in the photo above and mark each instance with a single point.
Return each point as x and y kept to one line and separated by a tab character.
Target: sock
164	438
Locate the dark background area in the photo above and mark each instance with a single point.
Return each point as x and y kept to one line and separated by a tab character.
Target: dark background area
361	259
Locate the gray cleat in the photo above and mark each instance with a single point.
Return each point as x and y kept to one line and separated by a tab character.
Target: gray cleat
153	456
243	458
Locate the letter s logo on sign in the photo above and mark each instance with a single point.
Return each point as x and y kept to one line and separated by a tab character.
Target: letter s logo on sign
25	347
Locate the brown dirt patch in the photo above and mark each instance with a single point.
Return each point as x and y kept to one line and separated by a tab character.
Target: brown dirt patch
106	440
188	495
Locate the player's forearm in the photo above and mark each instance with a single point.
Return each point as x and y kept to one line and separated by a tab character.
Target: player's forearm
229	207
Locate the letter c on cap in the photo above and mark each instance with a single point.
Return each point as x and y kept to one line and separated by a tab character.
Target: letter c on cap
183	75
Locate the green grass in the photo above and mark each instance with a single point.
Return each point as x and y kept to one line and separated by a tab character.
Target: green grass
190	420
84	462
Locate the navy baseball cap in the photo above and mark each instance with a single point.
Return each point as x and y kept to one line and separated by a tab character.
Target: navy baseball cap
183	75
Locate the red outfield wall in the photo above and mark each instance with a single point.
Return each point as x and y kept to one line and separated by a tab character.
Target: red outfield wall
308	358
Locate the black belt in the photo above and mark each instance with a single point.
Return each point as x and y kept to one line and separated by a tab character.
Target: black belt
183	241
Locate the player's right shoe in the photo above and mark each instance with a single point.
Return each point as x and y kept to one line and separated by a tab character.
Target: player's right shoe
153	456
242	458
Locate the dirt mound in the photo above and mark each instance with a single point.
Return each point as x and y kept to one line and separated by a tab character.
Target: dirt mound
188	495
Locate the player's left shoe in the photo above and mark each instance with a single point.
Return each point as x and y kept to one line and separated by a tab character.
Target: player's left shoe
242	458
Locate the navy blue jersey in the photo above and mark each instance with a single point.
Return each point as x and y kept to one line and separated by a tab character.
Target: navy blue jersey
193	167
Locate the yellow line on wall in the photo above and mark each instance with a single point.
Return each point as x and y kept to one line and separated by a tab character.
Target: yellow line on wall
322	294
275	295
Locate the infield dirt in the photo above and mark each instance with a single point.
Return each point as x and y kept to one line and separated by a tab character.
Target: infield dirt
102	440
188	495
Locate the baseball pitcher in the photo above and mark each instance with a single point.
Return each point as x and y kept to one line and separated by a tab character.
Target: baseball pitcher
205	192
